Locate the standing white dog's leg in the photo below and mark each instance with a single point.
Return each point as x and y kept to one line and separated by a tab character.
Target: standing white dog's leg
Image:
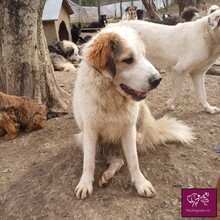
143	186
198	82
177	84
84	187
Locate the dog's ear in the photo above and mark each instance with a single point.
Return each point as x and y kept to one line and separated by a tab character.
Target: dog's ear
127	9
102	54
214	20
79	25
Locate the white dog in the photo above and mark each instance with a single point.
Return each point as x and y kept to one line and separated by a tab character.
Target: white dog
112	77
130	13
190	47
63	55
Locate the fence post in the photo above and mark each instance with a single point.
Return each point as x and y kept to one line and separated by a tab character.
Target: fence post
98	3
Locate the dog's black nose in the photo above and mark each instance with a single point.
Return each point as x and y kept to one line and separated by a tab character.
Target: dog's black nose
154	82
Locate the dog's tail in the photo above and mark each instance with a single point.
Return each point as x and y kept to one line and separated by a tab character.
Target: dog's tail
154	132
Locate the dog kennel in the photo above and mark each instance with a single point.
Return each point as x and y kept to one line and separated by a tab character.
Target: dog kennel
56	20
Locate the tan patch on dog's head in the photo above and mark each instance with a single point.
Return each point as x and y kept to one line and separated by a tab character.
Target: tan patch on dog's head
103	52
131	12
131	9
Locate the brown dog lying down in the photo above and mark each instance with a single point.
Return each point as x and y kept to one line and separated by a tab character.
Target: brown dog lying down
20	113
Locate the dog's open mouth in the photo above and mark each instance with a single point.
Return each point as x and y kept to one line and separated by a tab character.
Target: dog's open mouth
136	95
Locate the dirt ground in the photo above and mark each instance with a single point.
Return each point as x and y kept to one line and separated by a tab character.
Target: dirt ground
39	170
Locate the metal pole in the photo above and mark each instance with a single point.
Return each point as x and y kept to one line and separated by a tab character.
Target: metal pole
80	5
115	9
120	8
98	3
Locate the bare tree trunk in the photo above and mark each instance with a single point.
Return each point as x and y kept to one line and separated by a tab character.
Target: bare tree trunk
115	9
151	8
198	3
181	5
185	3
165	5
25	66
121	9
99	13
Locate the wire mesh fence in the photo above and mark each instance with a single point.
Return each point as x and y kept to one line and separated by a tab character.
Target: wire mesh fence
86	11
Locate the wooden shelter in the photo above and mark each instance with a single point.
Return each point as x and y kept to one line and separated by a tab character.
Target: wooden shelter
56	20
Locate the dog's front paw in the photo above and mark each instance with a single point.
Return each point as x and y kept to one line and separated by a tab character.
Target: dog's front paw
83	189
212	109
8	137
144	187
69	67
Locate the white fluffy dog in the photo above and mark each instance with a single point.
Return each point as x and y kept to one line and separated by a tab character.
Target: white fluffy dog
130	13
63	55
112	79
187	48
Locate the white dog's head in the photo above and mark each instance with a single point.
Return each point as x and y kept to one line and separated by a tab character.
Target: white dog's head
119	54
212	9
214	19
71	50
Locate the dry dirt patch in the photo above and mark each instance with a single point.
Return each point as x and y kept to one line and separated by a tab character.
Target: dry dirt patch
39	170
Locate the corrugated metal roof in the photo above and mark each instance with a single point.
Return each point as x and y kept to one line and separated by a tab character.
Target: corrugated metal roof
52	9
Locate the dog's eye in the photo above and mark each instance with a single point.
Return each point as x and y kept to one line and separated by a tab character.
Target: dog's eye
70	52
128	60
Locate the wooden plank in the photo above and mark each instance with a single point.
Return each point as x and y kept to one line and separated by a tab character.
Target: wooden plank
90	29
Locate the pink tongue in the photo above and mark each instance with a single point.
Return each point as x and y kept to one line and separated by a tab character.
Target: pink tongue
140	94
